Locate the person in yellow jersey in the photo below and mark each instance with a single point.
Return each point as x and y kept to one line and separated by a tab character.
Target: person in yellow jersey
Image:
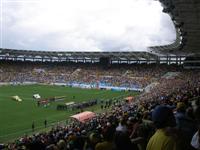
164	138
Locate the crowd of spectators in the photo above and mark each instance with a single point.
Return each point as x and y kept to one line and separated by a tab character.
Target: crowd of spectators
165	118
131	76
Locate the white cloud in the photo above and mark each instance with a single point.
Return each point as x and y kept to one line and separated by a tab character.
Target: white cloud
104	25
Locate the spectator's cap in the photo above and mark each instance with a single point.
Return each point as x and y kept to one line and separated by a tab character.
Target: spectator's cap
162	116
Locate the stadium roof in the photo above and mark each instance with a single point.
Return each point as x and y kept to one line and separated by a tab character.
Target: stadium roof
185	15
78	55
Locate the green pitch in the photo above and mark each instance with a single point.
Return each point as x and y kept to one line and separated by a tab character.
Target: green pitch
17	117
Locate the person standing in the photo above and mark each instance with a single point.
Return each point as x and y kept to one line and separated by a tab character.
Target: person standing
45	123
164	138
33	126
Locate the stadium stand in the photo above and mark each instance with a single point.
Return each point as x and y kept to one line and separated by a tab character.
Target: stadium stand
132	76
165	117
177	88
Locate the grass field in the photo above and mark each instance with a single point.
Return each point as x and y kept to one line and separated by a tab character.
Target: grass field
16	117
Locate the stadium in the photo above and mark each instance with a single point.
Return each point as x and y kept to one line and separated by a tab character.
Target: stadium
113	100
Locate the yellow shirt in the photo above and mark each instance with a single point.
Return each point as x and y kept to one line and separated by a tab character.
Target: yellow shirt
160	141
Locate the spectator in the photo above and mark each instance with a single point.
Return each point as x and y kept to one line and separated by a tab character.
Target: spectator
45	123
163	139
186	126
123	142
108	139
33	126
122	125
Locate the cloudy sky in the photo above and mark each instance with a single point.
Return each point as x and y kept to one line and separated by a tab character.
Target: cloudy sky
84	25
